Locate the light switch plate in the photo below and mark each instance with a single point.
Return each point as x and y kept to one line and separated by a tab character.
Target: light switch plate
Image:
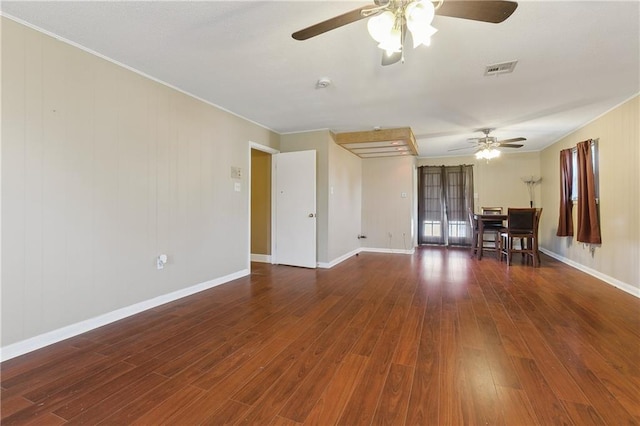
237	186
236	172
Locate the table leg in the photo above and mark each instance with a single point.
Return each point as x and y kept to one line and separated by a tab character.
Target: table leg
480	237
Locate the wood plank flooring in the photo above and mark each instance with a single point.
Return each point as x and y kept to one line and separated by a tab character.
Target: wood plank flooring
434	338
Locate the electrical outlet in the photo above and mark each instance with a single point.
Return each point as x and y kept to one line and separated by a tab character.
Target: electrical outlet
161	261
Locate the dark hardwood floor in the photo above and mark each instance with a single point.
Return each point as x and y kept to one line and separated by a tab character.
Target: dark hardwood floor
435	338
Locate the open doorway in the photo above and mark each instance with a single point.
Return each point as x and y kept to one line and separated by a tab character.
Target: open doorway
261	204
291	224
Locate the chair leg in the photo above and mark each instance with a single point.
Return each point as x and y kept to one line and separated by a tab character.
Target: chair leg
502	249
474	244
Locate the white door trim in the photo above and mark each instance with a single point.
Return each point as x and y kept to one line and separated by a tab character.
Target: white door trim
268	150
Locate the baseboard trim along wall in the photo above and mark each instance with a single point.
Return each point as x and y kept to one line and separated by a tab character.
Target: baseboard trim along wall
385	250
20	348
627	288
334	262
262	258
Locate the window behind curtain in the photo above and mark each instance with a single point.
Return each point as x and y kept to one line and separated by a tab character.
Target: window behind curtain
594	164
458	198
430	206
446	194
565	219
588	215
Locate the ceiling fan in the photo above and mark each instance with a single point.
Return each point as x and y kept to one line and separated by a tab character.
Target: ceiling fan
487	146
389	20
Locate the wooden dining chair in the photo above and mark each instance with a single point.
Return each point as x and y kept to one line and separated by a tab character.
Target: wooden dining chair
534	240
473	222
491	228
521	225
491	210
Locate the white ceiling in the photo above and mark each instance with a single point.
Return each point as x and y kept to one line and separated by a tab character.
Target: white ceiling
576	60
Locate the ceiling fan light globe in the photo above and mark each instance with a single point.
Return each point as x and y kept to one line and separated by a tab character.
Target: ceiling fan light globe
380	26
419	39
422	35
393	43
487	154
419	13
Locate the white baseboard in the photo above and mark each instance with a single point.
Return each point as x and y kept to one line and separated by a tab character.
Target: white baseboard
262	258
627	288
20	348
334	262
386	250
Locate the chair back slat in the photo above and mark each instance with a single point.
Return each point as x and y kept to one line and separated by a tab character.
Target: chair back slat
492	224
492	210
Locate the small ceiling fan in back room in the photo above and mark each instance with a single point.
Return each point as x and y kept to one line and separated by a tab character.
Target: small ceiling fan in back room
486	147
390	19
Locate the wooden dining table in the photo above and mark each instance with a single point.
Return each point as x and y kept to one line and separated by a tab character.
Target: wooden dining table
482	219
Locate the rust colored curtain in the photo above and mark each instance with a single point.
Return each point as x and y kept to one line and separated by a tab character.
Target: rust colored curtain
565	221
588	222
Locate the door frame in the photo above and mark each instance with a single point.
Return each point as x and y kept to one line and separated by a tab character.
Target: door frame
271	151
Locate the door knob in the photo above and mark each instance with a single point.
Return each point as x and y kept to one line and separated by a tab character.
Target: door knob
311	215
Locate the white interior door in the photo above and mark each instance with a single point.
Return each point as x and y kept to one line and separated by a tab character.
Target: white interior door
295	233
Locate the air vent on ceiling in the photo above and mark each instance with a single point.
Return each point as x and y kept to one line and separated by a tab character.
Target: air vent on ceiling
502	68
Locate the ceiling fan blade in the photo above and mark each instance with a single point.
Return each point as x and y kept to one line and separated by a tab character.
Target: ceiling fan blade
513	140
330	24
511	145
494	11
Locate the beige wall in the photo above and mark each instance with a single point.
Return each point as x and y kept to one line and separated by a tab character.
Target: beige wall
618	257
386	215
318	141
102	171
338	213
345	201
498	183
260	202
